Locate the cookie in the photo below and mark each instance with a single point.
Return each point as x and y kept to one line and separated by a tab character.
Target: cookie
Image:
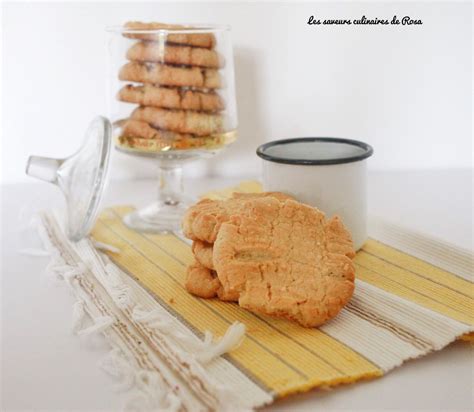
206	40
203	282
284	259
180	121
203	253
171	98
164	75
140	135
156	145
168	54
159	140
203	220
136	128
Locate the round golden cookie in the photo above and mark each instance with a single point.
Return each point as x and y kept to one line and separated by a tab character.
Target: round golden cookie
285	259
203	220
171	98
203	282
180	121
164	75
206	40
137	128
169	54
203	253
141	136
159	145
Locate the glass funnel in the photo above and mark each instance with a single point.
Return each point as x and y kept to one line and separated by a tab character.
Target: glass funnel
172	98
81	177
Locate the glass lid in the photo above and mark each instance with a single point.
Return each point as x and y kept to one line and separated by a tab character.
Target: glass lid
81	177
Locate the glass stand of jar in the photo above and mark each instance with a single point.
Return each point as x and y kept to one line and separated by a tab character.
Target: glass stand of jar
165	214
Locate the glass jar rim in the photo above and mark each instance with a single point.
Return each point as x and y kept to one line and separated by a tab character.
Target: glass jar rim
185	29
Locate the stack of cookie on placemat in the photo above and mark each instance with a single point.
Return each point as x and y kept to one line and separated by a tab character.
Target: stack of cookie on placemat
175	80
271	254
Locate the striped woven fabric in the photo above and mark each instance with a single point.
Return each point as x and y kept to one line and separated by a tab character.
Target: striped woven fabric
404	307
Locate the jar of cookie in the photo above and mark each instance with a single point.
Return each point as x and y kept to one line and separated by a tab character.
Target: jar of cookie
172	97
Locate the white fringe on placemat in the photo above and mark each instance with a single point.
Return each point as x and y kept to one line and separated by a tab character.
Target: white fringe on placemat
174	378
119	291
141	383
150	395
78	315
231	340
167	335
104	246
115	365
206	350
147	387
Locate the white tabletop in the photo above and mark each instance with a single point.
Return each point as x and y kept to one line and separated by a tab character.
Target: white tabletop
45	367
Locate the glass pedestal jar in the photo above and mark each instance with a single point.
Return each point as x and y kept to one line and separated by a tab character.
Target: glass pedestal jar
172	98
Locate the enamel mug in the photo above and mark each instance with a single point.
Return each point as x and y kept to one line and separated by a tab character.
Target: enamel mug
324	172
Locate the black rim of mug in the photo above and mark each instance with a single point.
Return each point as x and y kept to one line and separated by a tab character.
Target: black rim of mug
368	151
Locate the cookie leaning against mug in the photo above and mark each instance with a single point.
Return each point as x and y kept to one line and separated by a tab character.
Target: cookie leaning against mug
171	98
180	121
169	54
165	75
284	259
206	40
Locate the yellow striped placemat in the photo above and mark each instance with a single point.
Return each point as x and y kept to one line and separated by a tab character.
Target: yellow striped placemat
403	308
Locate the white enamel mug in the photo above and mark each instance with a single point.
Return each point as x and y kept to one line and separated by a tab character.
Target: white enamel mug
324	172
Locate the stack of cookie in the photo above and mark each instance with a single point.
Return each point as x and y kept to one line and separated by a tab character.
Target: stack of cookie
175	81
271	254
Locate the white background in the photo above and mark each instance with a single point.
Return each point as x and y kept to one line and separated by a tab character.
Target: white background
404	89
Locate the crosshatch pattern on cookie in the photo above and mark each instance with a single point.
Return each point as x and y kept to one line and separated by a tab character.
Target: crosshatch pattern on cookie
285	259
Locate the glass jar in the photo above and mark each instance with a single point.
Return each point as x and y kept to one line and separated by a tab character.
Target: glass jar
172	98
